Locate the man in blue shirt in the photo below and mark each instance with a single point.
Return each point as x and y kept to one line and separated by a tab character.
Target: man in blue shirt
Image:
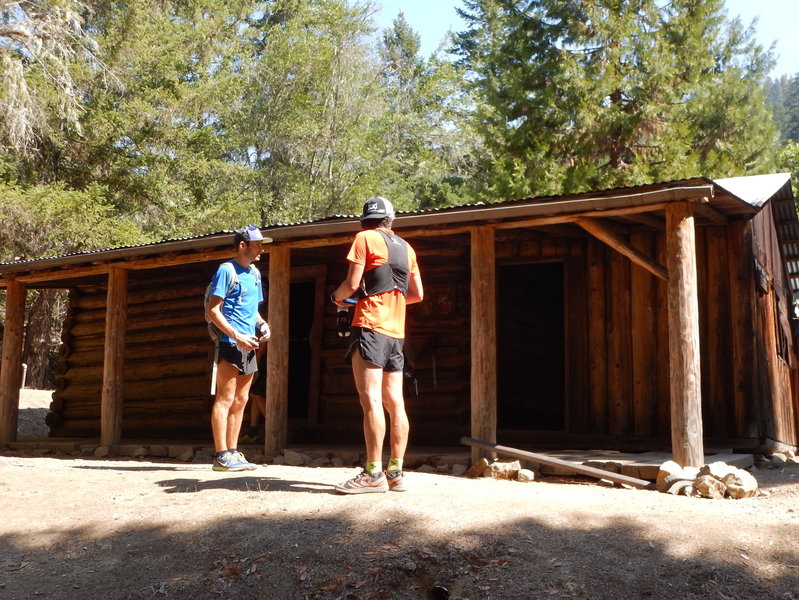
235	294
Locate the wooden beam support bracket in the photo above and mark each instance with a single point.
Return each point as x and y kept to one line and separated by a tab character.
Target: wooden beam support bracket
604	234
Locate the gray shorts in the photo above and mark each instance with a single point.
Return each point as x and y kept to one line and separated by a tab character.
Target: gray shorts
243	360
377	349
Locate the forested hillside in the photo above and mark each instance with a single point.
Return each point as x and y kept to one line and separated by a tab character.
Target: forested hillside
141	120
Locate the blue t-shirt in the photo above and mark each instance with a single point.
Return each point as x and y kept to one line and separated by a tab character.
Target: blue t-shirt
241	306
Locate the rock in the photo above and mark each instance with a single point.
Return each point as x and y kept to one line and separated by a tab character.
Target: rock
737	482
322	461
458	470
778	459
139	452
670	473
477	469
203	456
336	462
719	470
295	459
279	460
525	475
350	458
161	451
502	470
443	468
710	487
101	451
187	456
426	469
669	470
740	484
682	486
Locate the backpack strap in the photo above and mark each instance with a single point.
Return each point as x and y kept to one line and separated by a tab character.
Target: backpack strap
234	279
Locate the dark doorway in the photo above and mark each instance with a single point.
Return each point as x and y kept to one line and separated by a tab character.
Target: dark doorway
530	347
301	313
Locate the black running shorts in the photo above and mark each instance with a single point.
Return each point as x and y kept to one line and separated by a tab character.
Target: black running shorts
243	360
377	349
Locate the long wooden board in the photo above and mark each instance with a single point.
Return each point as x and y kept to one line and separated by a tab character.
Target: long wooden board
563	464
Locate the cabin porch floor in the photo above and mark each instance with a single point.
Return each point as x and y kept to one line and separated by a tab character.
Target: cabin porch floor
643	465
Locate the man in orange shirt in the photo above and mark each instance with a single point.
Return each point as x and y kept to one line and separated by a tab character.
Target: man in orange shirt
384	272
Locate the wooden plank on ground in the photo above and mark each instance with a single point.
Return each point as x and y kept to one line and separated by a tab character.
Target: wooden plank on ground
556	462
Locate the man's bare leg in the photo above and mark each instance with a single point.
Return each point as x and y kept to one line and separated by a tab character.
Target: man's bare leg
394	404
225	397
236	412
369	383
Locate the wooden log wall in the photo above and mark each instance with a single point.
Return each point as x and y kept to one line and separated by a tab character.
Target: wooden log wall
437	340
627	360
778	409
167	358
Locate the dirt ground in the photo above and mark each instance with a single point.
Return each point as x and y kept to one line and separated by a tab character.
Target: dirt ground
77	528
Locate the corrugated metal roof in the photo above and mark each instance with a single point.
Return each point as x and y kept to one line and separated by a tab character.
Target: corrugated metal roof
754	189
736	197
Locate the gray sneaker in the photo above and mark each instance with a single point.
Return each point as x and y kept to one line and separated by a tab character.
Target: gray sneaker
248	466
230	462
364	483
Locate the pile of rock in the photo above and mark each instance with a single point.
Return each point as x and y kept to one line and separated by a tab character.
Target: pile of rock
714	480
499	469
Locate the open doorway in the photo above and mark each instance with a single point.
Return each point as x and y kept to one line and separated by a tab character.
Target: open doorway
301	317
530	347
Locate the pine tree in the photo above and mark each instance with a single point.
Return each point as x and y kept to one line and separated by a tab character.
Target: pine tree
584	95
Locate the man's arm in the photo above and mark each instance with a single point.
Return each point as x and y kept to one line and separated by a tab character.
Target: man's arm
246	342
262	327
350	285
415	290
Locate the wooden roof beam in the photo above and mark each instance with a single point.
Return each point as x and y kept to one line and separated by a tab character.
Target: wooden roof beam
605	234
704	210
646	219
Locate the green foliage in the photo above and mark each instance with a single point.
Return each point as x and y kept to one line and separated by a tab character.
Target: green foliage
39	43
211	113
48	220
788	162
783	98
580	95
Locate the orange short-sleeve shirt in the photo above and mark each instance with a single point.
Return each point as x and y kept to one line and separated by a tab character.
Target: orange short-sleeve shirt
384	313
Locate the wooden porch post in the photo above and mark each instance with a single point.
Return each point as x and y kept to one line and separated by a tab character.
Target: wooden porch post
116	318
11	370
483	339
684	368
277	358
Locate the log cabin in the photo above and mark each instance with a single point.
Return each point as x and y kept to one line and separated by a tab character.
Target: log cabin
657	317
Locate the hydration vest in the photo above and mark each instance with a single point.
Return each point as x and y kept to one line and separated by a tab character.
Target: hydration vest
394	275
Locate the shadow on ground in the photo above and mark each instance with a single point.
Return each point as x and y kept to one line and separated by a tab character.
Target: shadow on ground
363	556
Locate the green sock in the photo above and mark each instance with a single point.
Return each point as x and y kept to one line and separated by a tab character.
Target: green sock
394	464
373	468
